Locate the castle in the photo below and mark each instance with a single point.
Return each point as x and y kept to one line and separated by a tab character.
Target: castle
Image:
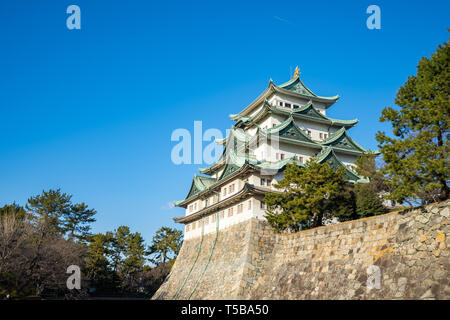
230	252
286	123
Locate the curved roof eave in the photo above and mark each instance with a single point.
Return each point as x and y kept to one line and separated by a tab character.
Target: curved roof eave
255	102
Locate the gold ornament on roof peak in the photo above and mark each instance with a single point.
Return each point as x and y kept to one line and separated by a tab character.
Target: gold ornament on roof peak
297	72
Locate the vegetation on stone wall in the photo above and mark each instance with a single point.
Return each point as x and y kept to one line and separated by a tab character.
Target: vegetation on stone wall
39	241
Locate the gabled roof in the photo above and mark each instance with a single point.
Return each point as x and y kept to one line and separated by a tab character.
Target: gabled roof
327	155
199	184
230	168
237	133
288	130
293	88
341	140
240	138
306	112
296	85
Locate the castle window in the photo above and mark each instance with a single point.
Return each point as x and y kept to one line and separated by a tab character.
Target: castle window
224	192
282	156
321	135
325	135
188	227
263	181
193	225
300	159
287	105
280	103
222	214
240	208
230	211
268	182
308	132
296	106
231	188
206	220
262	205
213	218
249	204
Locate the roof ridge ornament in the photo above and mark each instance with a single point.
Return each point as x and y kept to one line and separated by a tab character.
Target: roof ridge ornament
296	72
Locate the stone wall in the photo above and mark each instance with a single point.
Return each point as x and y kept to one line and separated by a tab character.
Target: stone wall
249	261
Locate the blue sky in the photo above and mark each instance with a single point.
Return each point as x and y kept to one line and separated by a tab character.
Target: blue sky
91	111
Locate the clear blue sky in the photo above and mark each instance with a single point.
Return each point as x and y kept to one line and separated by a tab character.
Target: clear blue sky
91	111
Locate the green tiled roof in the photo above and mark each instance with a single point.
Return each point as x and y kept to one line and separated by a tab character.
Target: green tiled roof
306	112
199	184
327	155
340	139
296	85
288	129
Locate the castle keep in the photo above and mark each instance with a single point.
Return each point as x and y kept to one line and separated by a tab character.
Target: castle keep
286	123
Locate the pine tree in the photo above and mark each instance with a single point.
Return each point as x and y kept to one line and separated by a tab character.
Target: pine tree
166	243
417	156
366	166
308	195
49	208
56	213
368	203
13	210
77	221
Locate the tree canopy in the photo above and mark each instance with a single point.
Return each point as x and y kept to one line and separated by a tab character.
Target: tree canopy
166	243
56	213
308	195
417	155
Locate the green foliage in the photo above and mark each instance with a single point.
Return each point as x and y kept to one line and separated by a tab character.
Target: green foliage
131	248
57	214
368	203
417	156
97	264
366	166
77	222
309	194
39	242
166	242
49	208
13	210
115	259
